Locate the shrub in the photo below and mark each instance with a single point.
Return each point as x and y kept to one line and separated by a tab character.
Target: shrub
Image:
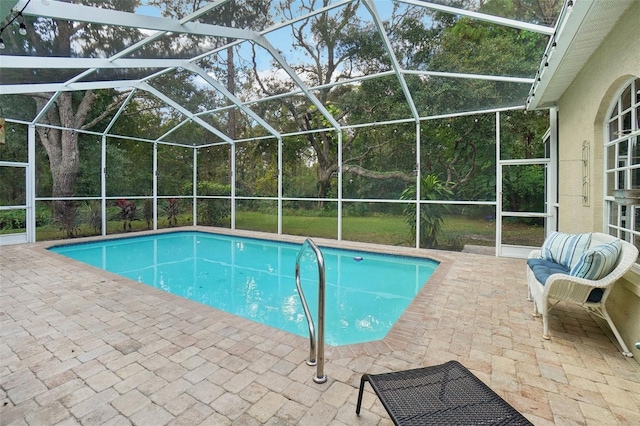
172	210
147	212
94	215
213	211
127	212
67	217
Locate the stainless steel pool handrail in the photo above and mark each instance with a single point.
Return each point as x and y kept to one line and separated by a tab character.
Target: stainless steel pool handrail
316	346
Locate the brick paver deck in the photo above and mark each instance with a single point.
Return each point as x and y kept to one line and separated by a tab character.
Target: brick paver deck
83	346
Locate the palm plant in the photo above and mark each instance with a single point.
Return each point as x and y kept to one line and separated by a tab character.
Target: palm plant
94	215
67	217
431	215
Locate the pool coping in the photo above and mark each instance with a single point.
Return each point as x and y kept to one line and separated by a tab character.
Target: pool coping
399	337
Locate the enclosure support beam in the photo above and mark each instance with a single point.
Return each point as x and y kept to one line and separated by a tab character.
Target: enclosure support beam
101	16
45	108
280	176
498	189
151	38
418	177
173	130
103	187
552	175
339	184
230	96
41	62
30	196
263	42
392	56
155	186
183	110
120	111
194	209
232	178
482	17
22	89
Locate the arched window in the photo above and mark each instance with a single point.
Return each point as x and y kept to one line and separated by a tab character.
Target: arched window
622	165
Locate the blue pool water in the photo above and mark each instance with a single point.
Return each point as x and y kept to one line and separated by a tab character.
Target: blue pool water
366	293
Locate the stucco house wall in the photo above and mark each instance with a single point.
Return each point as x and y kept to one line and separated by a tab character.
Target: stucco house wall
582	110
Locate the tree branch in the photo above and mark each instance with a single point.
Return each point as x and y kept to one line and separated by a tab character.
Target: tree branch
255	71
114	105
378	175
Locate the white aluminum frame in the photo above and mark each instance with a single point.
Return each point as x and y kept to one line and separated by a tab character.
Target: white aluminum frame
551	194
161	26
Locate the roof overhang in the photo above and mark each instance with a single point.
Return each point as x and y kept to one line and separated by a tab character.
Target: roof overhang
580	30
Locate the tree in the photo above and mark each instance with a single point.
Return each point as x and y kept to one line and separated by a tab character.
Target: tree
543	12
332	46
319	39
462	150
338	44
62	145
69	109
247	14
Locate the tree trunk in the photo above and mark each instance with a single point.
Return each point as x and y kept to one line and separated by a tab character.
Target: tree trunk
62	145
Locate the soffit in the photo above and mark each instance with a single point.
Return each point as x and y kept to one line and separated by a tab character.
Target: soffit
580	30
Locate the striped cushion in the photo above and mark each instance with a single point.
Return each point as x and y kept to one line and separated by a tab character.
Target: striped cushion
597	262
565	249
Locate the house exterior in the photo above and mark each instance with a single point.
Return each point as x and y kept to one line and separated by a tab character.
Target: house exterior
591	75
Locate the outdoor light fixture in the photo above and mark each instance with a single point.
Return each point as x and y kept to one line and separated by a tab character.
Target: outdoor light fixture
23	27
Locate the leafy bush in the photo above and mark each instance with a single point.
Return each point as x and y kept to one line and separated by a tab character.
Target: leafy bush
356	210
208	188
172	210
213	211
12	219
94	215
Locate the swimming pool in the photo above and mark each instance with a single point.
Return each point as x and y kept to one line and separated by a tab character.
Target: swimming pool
366	293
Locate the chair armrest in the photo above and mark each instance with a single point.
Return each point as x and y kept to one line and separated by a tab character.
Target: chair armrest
535	254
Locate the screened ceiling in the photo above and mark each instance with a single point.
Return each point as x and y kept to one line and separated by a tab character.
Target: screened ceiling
225	71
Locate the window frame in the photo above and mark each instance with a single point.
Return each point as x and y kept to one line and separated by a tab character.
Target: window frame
621	158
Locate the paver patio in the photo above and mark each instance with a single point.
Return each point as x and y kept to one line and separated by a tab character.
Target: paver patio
84	346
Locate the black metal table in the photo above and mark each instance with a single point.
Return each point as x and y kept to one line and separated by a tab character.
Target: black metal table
446	394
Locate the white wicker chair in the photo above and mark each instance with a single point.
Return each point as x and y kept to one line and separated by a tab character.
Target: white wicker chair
566	288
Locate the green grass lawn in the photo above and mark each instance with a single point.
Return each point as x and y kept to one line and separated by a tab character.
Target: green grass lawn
389	230
457	231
